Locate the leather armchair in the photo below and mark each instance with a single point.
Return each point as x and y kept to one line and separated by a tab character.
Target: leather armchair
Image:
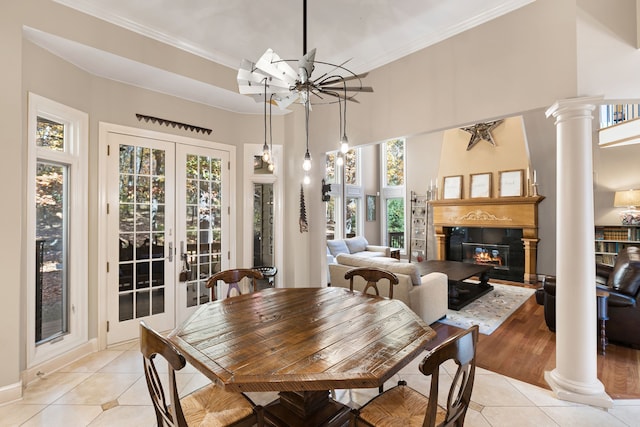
622	282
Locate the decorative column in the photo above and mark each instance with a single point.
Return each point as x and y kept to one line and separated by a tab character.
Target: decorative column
575	376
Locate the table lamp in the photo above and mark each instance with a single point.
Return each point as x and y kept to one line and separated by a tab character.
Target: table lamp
628	199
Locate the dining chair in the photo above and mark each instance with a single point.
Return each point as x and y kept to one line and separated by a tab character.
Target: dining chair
404	406
210	405
232	278
372	275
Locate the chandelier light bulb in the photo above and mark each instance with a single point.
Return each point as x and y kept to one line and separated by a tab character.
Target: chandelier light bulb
307	179
306	165
270	166
339	159
265	152
344	145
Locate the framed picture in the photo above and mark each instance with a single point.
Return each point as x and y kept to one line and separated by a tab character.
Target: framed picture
371	208
511	183
452	187
480	185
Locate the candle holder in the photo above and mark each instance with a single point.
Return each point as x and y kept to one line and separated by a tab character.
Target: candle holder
534	190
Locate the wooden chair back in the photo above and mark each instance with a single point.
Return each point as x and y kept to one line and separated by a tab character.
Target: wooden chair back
232	278
460	347
168	412
372	275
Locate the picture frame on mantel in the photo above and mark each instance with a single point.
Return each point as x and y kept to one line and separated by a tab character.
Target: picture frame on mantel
511	183
480	185
452	187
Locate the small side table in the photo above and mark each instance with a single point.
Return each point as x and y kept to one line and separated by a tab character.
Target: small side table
603	316
395	253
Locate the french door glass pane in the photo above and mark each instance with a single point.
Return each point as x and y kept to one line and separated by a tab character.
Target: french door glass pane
263	225
203	224
142	232
51	251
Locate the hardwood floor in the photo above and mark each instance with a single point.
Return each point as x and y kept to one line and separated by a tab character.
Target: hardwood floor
523	348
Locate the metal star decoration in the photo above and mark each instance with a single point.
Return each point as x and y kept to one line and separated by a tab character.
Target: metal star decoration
481	131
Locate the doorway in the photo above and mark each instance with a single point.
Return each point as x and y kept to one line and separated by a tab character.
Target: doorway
168	213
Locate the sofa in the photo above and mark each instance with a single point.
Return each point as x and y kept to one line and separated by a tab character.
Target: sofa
622	282
357	245
426	295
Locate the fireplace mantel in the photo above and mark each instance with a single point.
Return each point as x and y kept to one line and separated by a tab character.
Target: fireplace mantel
502	212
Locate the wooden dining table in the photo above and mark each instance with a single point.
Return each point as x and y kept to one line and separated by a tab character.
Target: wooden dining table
302	342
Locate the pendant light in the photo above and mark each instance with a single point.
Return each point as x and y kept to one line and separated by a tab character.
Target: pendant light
270	165
344	142
340	154
265	147
306	164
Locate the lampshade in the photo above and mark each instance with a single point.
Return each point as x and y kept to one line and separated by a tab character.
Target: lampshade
626	199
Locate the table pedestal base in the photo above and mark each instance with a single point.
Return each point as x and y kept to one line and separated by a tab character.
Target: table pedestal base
306	409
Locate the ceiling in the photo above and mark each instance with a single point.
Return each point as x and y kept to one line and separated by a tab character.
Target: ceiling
366	33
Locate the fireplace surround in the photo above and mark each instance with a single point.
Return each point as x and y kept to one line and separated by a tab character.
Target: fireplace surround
491	224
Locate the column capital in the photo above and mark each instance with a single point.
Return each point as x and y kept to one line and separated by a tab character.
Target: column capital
585	104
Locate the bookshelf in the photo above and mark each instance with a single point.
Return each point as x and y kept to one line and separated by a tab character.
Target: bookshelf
611	239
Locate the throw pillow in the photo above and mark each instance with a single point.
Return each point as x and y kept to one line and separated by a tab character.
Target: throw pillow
337	247
356	244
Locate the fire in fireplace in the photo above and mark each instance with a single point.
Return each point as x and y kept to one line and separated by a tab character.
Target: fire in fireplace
485	254
500	247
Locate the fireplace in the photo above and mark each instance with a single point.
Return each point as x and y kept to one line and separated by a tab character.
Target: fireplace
500	248
502	232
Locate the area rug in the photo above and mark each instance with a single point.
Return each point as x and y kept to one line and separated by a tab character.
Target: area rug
490	310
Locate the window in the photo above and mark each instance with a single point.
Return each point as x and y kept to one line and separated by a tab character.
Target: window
57	230
344	210
393	193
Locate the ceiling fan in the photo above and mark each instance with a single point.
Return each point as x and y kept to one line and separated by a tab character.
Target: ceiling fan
289	85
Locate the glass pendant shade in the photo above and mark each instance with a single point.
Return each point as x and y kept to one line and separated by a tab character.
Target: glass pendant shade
265	152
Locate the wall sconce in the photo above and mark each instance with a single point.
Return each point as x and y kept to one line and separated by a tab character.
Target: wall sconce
326	188
629	199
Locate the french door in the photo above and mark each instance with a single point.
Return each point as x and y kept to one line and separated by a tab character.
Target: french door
164	230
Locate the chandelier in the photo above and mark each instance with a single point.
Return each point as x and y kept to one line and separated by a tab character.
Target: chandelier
286	85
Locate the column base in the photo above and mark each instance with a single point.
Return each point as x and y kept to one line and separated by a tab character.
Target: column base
592	395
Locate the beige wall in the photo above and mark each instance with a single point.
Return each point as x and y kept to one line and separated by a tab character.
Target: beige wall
12	175
509	153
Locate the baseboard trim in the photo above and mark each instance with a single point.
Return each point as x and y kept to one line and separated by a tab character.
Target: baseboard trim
61	361
10	393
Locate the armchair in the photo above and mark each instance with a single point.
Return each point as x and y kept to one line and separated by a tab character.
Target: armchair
622	282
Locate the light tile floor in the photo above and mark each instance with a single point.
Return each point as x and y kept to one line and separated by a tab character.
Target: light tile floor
108	388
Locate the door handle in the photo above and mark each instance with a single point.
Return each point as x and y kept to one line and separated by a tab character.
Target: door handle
170	257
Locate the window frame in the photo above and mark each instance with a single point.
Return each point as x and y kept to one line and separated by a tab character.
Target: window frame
74	157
